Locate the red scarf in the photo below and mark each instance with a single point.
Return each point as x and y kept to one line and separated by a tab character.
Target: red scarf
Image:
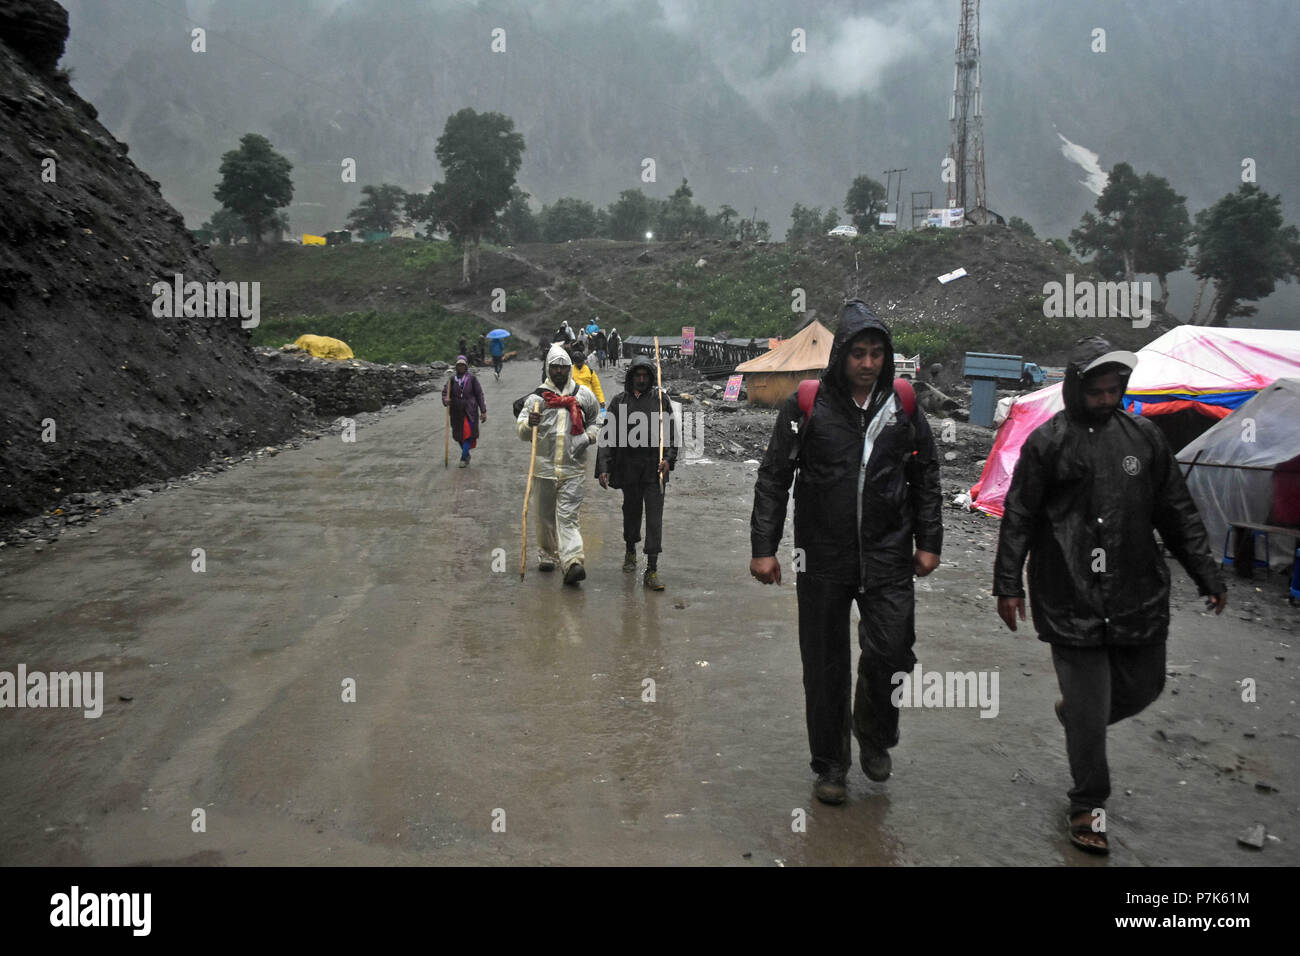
571	403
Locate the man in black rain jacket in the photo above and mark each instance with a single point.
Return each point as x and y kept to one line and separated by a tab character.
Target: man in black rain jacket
627	457
867	490
1091	486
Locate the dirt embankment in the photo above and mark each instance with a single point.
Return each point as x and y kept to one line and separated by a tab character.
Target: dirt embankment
96	391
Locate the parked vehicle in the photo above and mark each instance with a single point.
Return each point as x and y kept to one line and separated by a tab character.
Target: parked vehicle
849	232
1032	375
908	368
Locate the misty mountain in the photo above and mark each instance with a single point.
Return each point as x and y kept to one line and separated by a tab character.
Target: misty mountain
713	92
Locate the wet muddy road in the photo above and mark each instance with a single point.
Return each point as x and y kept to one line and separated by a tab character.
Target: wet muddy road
504	722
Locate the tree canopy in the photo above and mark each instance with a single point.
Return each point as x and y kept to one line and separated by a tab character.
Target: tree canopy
480	155
1244	248
568	218
808	223
864	203
380	210
254	183
1141	226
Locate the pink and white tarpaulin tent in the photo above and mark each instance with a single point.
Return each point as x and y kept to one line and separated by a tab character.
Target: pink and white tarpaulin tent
1213	371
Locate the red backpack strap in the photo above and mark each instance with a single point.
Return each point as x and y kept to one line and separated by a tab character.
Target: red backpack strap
808	396
906	394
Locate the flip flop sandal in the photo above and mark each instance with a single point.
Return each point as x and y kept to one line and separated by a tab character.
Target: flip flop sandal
1078	831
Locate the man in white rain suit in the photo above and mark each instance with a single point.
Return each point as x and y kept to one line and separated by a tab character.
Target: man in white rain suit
567	418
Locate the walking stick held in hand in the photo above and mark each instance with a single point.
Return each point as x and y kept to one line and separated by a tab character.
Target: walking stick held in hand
446	435
523	532
659	374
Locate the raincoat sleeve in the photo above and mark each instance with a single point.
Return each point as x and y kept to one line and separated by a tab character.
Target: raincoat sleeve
590	413
1179	523
672	430
772	486
521	423
595	387
924	491
478	395
606	442
1023	501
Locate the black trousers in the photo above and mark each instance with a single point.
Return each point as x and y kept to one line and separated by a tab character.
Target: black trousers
1101	686
886	635
644	496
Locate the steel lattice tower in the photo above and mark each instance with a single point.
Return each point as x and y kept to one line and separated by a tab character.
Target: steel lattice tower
966	116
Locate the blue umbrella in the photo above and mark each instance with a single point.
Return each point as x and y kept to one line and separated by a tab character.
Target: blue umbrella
498	334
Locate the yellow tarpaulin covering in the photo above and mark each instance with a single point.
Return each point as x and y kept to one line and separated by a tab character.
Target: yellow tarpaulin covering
323	346
310	240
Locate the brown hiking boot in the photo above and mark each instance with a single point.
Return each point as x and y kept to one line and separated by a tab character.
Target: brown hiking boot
651	581
629	562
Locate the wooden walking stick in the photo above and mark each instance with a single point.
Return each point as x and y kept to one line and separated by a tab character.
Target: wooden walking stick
659	373
523	533
446	435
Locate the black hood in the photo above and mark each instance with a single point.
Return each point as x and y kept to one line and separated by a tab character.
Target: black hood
1085	352
639	361
856	317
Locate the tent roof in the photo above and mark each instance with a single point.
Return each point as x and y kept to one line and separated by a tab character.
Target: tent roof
1274	436
807	350
1197	360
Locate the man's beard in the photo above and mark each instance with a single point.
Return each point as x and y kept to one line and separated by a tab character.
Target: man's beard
1099	416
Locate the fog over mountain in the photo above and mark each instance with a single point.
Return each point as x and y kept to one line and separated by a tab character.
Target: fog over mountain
712	91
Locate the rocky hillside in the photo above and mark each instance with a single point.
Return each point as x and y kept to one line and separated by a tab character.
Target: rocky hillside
721	288
95	392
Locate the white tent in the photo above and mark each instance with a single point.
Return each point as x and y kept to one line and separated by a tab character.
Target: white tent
1247	468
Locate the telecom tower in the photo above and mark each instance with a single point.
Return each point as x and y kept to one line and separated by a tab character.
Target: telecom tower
967	119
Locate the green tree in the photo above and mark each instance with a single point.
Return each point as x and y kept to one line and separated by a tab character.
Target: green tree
632	215
567	219
480	154
380	210
419	209
755	230
227	227
1020	225
517	223
725	220
680	218
1244	248
808	222
254	183
1141	226
864	203
1164	232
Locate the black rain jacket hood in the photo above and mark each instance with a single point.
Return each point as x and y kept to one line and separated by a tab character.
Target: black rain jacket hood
1086	351
639	361
856	317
